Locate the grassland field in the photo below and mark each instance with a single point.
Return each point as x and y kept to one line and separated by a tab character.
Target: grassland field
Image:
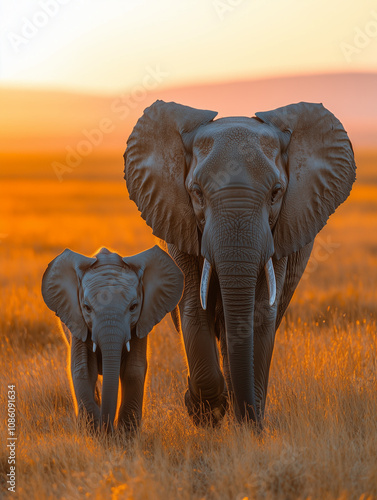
320	436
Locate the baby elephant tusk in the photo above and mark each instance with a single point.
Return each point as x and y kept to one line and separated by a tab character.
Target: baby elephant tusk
271	281
204	284
94	347
128	346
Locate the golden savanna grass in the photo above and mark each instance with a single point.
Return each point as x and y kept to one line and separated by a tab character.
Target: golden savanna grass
320	436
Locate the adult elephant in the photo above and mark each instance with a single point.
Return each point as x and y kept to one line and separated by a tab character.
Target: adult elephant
242	198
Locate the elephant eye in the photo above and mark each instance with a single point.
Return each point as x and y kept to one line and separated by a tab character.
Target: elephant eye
197	193
87	308
275	193
133	306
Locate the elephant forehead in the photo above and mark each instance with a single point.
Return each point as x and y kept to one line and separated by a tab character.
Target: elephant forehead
239	135
104	256
107	276
236	152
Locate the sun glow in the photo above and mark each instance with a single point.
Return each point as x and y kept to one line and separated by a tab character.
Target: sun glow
109	50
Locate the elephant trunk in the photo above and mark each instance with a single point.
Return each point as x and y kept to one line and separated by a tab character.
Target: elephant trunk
238	297
111	345
239	251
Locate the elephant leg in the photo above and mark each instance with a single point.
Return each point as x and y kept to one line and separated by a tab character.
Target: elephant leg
296	265
176	319
132	376
84	377
264	332
221	334
263	349
206	397
288	272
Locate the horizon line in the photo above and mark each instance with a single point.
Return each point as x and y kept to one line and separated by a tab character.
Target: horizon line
183	86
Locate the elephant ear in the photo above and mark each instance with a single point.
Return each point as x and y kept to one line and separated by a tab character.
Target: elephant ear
60	289
155	171
162	286
321	171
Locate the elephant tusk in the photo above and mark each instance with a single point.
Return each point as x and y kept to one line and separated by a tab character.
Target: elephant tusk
94	347
271	281
128	346
204	284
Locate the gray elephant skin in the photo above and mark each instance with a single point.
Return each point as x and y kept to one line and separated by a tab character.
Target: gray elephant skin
242	198
108	305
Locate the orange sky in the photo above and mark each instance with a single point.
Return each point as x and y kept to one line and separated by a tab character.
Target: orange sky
112	46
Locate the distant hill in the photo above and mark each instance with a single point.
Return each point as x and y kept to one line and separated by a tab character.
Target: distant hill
39	125
351	97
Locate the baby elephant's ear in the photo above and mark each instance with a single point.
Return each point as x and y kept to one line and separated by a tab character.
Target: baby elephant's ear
60	285
162	286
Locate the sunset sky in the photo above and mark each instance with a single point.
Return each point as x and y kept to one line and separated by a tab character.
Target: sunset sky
98	47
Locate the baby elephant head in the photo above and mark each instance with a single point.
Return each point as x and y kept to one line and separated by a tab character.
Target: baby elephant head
113	299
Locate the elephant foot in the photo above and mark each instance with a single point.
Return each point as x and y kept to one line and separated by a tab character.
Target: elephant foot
253	421
255	427
129	422
206	412
90	419
130	429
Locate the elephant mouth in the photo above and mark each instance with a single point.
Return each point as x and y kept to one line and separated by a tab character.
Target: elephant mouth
206	278
95	341
128	346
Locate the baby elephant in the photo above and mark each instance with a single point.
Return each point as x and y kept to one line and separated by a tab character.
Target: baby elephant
108	305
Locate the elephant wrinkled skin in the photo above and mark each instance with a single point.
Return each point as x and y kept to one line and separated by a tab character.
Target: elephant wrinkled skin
243	199
108	305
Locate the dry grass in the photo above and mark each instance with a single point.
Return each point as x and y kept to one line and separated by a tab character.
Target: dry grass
320	438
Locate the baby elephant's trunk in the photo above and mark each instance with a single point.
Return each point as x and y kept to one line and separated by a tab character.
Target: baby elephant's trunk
111	349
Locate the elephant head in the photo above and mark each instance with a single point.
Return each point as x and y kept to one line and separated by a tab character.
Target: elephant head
239	191
111	299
